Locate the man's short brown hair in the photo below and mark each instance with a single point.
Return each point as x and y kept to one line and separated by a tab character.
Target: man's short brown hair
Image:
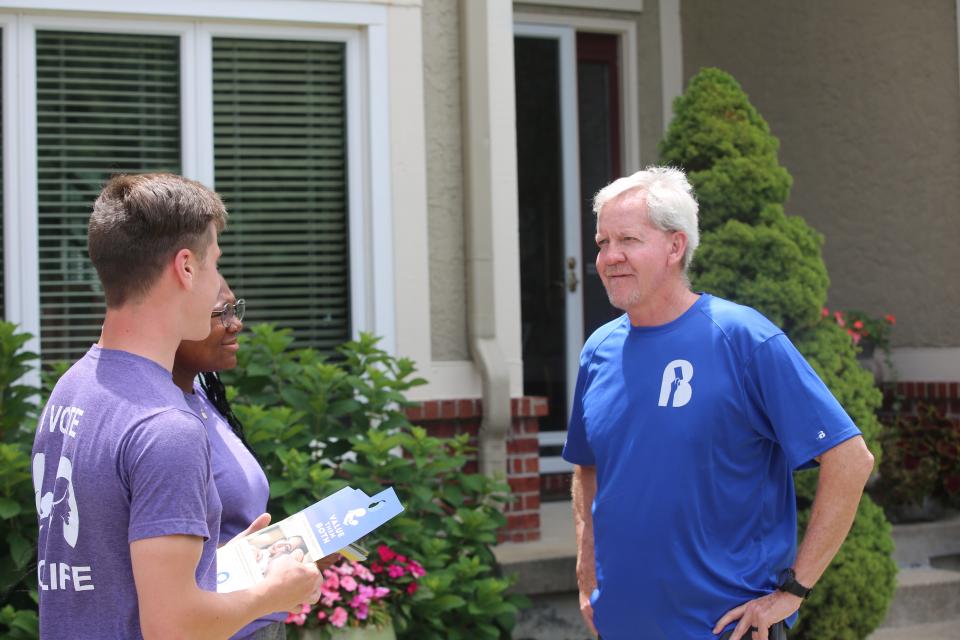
141	221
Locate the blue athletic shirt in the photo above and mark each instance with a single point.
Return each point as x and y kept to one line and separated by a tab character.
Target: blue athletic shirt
695	428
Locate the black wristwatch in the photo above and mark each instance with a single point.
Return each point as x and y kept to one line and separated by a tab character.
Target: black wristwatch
788	582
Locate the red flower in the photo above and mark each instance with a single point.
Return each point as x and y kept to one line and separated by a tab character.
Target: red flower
858	324
376	567
412	588
890	318
386	553
824	312
838	316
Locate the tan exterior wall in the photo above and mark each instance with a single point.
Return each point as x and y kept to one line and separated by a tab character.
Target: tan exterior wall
864	98
441	62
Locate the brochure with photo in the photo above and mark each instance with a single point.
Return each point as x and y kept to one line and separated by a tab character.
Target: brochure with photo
332	525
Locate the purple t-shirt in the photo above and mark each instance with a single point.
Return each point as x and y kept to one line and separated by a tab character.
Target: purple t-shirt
118	457
240	481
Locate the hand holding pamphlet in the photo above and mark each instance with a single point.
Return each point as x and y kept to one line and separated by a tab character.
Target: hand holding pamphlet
332	525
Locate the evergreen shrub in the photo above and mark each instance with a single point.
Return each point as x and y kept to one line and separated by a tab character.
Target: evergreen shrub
753	253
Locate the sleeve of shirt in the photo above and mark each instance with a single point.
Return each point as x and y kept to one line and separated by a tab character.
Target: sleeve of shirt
791	405
576	449
166	464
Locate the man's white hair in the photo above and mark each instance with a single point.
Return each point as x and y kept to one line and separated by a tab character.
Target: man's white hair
669	198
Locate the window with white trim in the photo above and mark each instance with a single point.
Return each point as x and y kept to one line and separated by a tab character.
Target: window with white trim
106	103
279	120
128	97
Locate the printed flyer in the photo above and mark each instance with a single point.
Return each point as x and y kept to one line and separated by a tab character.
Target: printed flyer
332	525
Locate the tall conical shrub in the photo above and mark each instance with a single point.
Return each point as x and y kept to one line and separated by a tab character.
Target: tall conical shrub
753	253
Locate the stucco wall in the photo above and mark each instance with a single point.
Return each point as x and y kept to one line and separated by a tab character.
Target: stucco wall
441	60
864	98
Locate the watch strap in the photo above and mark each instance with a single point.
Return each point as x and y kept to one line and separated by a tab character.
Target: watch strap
788	583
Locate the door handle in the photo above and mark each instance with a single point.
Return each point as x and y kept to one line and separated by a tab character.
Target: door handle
572	280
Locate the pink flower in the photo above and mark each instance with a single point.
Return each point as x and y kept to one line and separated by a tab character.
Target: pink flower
396	571
381	592
339	617
824	312
348	583
332	582
386	553
412	588
362	611
401	559
838	316
327	598
858	324
298	618
363	573
376	567
416	569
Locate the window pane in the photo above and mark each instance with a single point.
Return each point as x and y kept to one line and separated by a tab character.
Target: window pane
106	103
280	165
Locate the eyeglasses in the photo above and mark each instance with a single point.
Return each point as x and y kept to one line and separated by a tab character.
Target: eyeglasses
230	311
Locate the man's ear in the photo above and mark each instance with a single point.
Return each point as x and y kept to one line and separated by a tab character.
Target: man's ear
185	267
678	247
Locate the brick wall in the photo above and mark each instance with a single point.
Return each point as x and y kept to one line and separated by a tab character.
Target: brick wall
905	396
447	418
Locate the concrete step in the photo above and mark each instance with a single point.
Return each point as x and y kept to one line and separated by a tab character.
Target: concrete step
917	544
925	595
930	631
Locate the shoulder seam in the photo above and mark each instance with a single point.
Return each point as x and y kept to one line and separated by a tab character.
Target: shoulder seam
593	351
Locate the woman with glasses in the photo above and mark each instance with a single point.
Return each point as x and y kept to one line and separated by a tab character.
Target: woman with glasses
240	480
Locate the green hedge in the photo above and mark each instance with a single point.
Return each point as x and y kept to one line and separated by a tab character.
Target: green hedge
755	254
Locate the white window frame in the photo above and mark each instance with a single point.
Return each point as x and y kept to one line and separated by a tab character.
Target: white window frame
361	26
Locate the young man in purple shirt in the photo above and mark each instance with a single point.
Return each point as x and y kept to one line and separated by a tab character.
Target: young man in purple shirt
128	511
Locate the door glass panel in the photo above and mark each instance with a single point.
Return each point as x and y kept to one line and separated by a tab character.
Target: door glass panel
540	175
598	111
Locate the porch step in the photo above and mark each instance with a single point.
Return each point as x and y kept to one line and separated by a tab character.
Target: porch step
917	544
928	585
930	631
925	595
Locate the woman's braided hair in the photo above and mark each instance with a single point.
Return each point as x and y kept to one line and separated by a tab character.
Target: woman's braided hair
217	395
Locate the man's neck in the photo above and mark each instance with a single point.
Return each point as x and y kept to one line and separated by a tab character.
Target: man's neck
140	330
663	307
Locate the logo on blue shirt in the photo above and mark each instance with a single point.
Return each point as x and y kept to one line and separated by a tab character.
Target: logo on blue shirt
675	390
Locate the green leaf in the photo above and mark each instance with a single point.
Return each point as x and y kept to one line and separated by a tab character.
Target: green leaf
8	508
21	549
